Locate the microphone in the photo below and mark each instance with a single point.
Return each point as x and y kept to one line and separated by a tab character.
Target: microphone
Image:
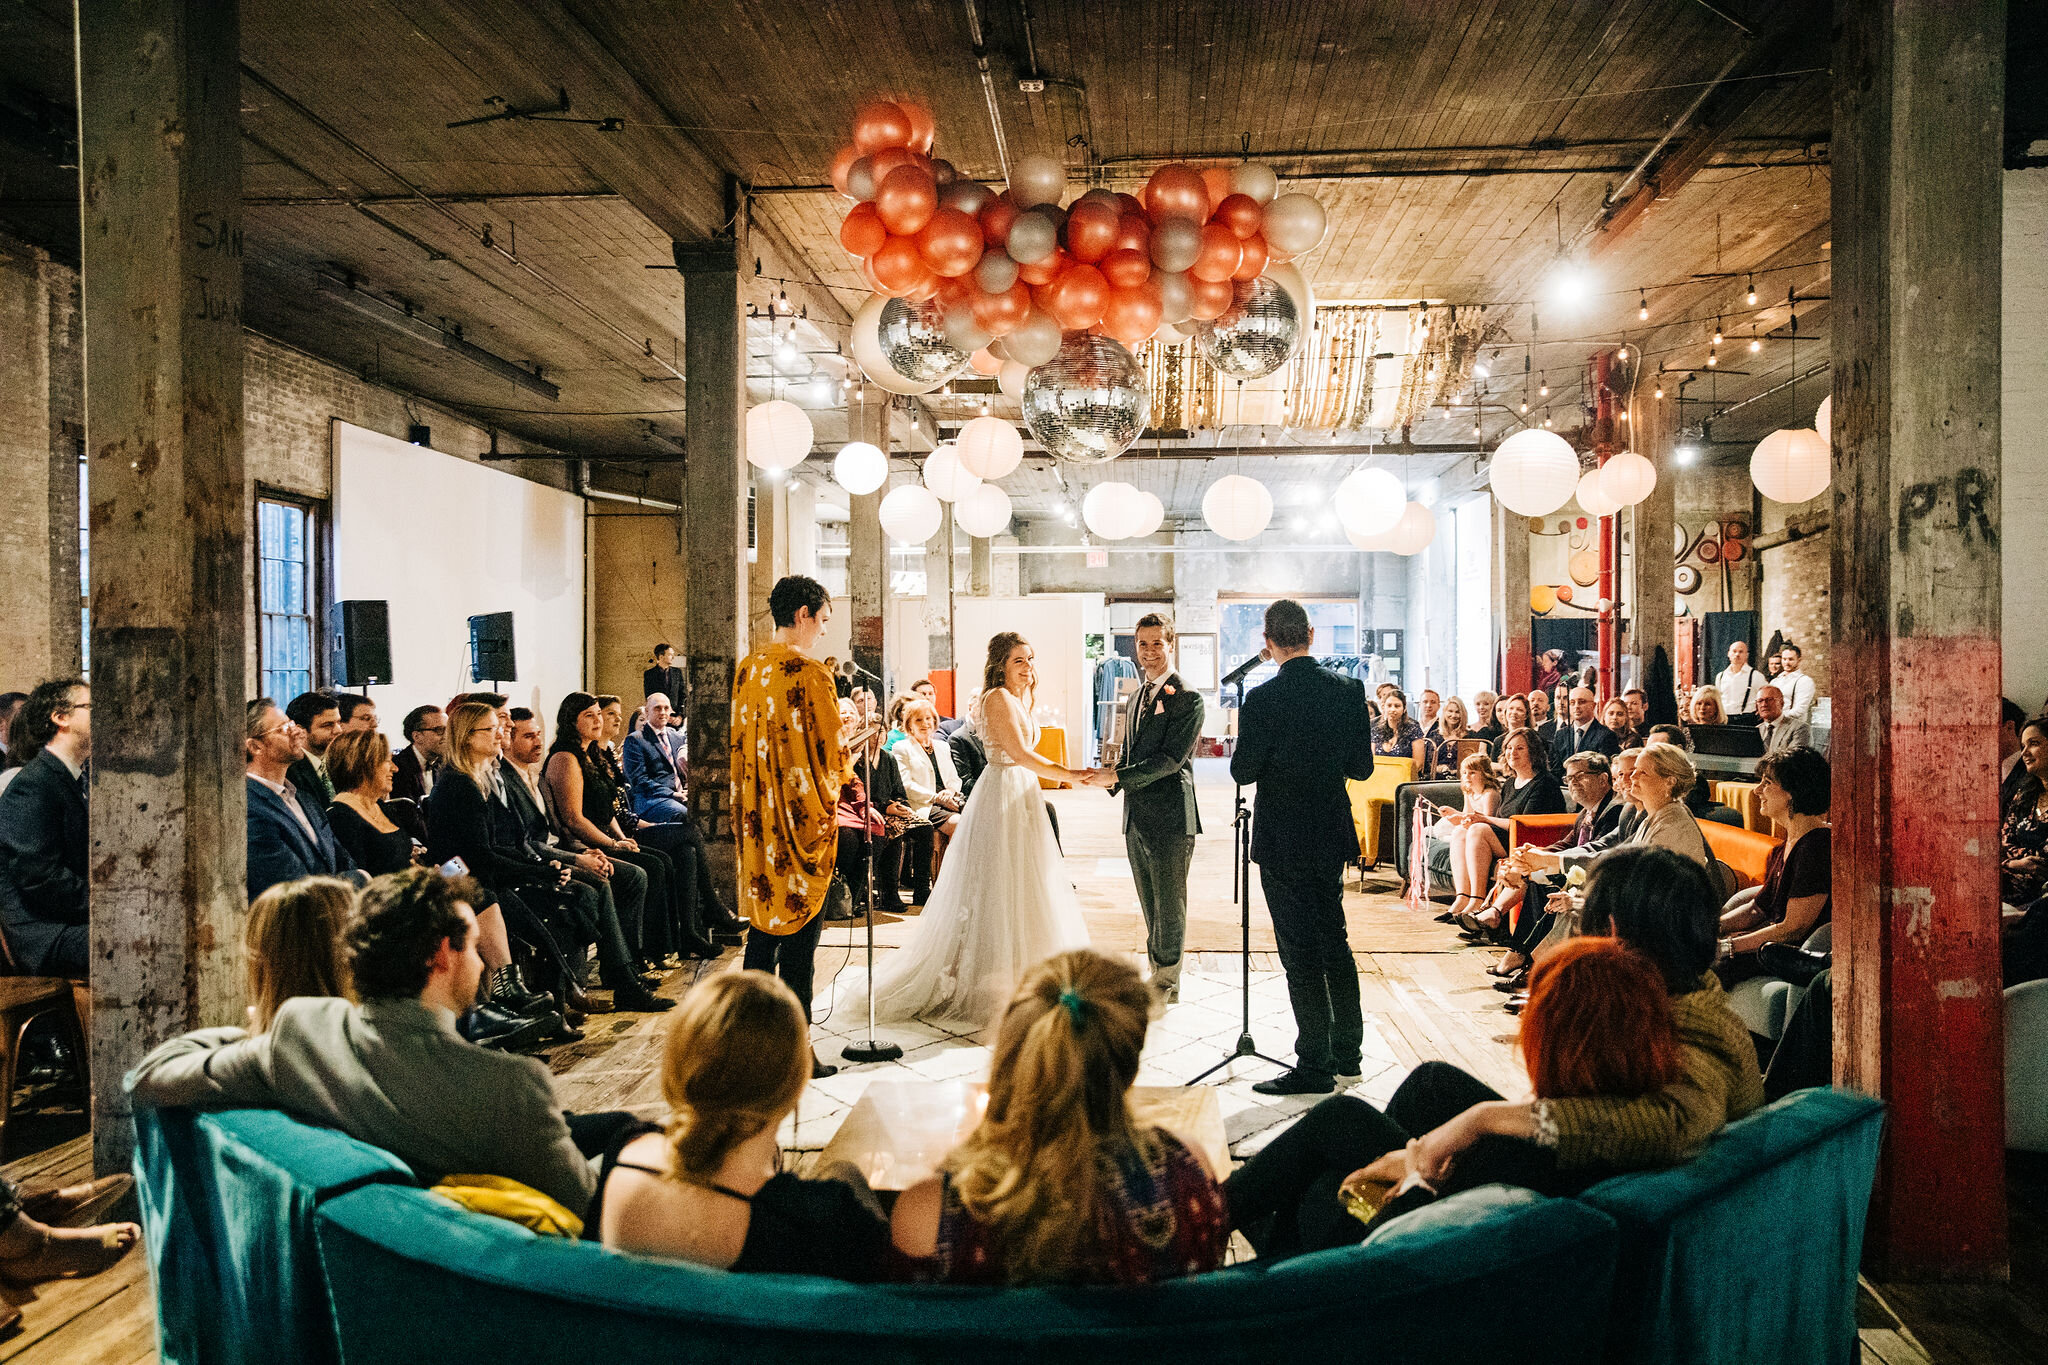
847	668
1237	674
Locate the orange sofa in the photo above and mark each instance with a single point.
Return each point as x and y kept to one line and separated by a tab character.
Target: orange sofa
1744	850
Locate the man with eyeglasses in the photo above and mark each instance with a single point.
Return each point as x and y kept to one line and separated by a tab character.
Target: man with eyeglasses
288	833
419	762
43	834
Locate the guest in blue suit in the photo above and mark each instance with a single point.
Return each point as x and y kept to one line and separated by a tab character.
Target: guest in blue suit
288	833
655	766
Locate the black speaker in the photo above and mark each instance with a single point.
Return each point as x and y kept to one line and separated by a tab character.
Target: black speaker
360	633
491	657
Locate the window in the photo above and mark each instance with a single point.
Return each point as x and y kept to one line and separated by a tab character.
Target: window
287	595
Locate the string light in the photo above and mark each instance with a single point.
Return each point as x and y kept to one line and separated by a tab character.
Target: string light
1544	390
1660	385
1621	353
1717	331
1525	405
1713	359
1642	305
1750	281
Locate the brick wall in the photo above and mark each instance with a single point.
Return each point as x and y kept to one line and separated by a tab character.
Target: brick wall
1796	600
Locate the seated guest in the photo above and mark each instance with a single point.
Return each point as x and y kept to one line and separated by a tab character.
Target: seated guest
360	765
895	719
1440	761
1684	707
426	727
1793	788
969	758
1512	714
926	692
357	713
1663	774
1581	730
318	716
1561	705
1549	669
10	707
2011	770
657	767
1059	1183
1476	779
1699	798
1601	789
863	827
1779	730
1707	708
289	837
294	943
1613	1104
714	918
1397	735
1614	715
44	838
1638	703
391	1071
1485	725
1432	704
1480	838
2023	834
708	1185
931	789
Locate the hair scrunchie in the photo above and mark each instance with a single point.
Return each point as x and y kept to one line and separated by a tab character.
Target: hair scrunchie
1076	1007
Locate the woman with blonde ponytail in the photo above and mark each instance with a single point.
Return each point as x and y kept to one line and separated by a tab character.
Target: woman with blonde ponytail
1058	1184
708	1185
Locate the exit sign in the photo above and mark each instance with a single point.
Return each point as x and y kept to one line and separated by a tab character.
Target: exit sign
1098	559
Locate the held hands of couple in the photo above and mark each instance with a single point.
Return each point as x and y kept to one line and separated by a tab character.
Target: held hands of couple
1092	777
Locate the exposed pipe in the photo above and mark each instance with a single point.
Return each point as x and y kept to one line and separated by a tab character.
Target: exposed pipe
1744	29
988	85
1678	125
580	485
1610	543
1799	378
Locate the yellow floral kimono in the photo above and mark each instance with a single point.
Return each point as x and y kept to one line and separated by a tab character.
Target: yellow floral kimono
787	768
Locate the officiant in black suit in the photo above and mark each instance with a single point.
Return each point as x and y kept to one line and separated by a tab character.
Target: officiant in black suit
1156	773
1300	737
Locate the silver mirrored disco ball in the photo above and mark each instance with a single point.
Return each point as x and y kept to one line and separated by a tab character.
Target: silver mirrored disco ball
912	337
1255	335
1089	402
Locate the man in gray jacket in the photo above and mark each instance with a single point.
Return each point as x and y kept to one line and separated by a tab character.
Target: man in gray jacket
391	1071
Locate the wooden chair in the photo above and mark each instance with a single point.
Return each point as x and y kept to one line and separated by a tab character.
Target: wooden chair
23	1000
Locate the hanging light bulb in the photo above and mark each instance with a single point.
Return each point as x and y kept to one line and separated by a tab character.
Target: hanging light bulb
1755	344
1546	421
1750	298
1717	331
1621	353
1713	359
1660	388
1544	390
1525	405
1642	306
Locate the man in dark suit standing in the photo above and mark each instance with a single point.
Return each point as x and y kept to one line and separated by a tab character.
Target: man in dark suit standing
1300	736
665	678
318	717
1581	731
43	835
1156	774
288	833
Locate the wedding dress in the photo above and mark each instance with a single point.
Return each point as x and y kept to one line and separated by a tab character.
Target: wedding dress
1002	902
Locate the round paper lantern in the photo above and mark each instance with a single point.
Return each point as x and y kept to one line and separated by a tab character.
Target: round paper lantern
1236	507
1369	502
1593	498
860	467
1627	478
983	512
1089	402
911	514
1414	531
948	479
1534	472
1151	514
989	448
1792	465
1542	600
1382	541
1824	420
1111	510
778	435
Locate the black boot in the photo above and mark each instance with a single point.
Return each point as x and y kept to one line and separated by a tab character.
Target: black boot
508	991
489	1026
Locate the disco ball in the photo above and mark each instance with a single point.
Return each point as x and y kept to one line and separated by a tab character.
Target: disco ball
912	339
1256	333
1089	402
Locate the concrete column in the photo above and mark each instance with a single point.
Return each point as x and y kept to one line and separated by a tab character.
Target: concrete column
980	569
867	568
1511	599
1654	597
1916	660
714	519
938	596
770	556
161	168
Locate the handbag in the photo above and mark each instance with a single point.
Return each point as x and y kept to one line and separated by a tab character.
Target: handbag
1790	962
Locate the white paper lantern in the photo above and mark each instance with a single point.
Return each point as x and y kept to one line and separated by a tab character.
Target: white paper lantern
1383	541
1236	507
1413	532
946	476
1593	499
1534	472
990	448
778	435
983	512
1369	502
1627	478
860	467
1151	516
1791	465
1113	510
911	514
1824	420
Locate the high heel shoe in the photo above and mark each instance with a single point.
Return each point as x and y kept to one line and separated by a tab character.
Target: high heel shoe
1501	969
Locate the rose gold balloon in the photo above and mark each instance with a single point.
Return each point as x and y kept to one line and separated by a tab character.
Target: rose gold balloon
880	124
896	265
1131	315
985	363
1254	263
1128	204
888	159
1079	297
925	286
842	162
1126	269
1091	230
1046	268
1001	314
862	233
923	128
906	200
1241	214
1134	233
950	242
1216	180
867	272
1208	299
996	216
1220	257
1176	191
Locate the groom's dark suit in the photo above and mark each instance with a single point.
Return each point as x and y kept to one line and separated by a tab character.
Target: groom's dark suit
1156	775
1300	736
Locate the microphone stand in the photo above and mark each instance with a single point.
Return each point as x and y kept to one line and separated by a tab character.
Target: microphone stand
871	1050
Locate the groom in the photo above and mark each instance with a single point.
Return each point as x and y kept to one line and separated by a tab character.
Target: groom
1156	773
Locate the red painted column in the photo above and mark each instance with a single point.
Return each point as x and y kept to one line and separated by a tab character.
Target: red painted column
1603	447
1915	663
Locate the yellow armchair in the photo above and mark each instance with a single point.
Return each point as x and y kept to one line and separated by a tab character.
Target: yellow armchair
1372	803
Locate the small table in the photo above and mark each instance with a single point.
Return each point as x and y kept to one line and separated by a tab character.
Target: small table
1052	747
900	1131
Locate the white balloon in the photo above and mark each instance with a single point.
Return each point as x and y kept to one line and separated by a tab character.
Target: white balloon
1010	379
1593	499
1037	341
983	512
1255	180
990	447
1791	466
1627	478
778	435
948	479
1151	517
1037	180
1295	223
1824	420
1369	502
1295	285
1032	238
1236	507
1413	532
860	467
1170	335
911	514
1176	297
867	351
1534	472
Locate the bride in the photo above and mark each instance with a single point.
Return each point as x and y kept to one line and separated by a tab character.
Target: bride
1002	901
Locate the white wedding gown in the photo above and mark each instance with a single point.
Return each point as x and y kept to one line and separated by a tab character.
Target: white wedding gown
1002	902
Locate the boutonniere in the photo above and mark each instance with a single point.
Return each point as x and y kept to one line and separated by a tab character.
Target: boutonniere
1168	690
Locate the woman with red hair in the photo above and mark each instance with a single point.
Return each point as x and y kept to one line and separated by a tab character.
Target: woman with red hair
1634	1059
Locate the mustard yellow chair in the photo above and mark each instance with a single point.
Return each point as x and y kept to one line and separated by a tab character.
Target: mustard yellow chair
1741	798
1372	804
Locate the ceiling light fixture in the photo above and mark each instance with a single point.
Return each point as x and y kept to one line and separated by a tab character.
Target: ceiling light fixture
1750	297
1717	331
1642	306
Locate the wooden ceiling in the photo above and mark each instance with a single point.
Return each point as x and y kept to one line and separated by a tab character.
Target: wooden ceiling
1462	148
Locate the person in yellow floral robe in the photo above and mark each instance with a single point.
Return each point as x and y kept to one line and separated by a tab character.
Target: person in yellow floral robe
788	762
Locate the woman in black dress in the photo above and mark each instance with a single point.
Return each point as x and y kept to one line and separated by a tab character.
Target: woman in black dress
360	766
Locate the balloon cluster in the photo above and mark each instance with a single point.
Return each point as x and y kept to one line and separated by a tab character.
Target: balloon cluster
1002	278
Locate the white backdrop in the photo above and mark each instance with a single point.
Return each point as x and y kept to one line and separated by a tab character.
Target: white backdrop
442	539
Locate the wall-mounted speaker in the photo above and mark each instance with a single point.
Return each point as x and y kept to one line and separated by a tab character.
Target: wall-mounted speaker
359	635
491	657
